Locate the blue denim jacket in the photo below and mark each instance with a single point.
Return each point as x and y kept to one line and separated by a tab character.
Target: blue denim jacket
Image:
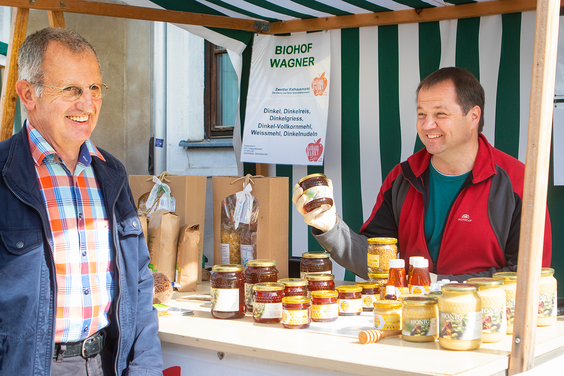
27	274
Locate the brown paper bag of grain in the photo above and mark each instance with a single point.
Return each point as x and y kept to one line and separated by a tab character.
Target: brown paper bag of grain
188	258
163	240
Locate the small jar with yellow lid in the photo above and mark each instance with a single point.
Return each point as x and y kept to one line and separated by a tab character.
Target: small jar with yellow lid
296	312
547	298
494	321
460	317
227	290
294	286
316	282
370	293
420	319
387	315
315	263
350	300
380	252
381	279
324	305
267	302
510	286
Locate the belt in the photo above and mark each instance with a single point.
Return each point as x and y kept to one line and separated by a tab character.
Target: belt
87	348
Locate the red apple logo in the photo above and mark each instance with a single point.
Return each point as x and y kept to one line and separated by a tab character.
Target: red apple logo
314	151
319	85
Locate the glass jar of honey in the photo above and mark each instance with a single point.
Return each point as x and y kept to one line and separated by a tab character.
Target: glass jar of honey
350	300
315	263
258	270
510	286
317	192
370	293
316	282
460	317
547	298
296	312
381	279
494	320
420	319
294	286
227	289
324	306
387	315
267	302
380	252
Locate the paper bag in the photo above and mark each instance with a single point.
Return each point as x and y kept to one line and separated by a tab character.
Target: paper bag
144	226
188	258
163	241
272	226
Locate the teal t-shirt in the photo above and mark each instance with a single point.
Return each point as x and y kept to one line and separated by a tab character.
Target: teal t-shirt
443	190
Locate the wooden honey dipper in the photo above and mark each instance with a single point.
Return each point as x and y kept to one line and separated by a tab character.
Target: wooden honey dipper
372	336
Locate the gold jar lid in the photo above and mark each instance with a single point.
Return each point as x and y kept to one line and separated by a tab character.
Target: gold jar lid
260	263
316	255
227	268
294	282
420	301
311	176
486	282
459	287
387	304
324	294
268	286
506	276
382	241
349	288
319	277
296	299
368	285
378	275
547	272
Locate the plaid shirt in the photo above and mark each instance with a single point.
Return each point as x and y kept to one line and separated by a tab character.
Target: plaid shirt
81	239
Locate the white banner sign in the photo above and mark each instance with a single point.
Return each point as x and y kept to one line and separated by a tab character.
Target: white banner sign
287	103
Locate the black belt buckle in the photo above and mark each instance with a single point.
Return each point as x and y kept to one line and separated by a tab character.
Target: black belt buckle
92	346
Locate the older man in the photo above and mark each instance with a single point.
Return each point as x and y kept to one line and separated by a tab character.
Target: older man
76	290
457	202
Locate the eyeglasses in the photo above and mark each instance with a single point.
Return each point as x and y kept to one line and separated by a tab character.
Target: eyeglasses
72	92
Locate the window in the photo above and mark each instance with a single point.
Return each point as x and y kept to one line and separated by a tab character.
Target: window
221	92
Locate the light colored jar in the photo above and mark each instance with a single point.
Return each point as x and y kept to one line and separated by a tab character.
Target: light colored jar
387	315
380	252
494	320
460	317
547	298
510	286
420	319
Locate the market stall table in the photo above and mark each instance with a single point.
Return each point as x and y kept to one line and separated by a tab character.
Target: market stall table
198	340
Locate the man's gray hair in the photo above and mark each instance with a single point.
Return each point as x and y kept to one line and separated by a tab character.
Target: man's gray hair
32	52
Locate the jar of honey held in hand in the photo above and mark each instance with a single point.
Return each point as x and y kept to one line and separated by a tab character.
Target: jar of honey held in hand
227	289
317	192
315	263
294	286
350	300
494	320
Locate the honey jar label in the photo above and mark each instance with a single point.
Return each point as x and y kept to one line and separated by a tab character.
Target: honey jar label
387	321
420	327
267	310
373	260
295	317
494	320
350	305
313	193
547	305
419	290
324	311
224	300
368	300
460	326
402	291
510	310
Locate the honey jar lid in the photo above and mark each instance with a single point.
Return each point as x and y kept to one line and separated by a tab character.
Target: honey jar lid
268	286
369	284
378	275
485	282
420	300
324	294
310	176
227	268
382	241
296	299
261	263
506	276
316	255
349	288
293	281
320	277
459	287
387	304
547	272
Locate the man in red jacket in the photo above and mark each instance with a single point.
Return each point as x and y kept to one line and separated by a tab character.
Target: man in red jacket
457	202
